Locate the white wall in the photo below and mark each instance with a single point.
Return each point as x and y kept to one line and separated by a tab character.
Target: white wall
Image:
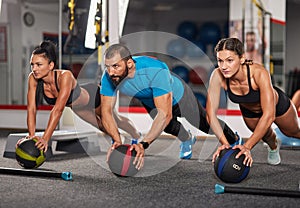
15	37
22	39
3	14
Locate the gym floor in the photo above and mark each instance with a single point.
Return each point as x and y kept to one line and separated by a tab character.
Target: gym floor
164	182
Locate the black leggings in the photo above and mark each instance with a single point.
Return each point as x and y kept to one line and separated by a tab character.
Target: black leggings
94	93
190	108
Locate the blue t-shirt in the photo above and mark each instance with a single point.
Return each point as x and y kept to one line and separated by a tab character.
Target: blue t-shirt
152	78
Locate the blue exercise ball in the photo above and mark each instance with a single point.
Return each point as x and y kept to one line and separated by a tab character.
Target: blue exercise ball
182	72
176	48
210	33
196	50
201	98
285	140
226	30
91	70
188	30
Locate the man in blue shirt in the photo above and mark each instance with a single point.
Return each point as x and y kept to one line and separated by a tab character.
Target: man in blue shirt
165	96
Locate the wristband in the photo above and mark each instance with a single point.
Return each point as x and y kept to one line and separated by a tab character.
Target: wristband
134	141
145	144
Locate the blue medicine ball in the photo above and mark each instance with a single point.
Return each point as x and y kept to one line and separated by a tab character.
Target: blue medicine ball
210	33
228	168
182	72
196	50
188	30
176	48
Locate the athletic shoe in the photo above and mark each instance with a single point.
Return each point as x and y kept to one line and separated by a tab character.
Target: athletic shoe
186	148
273	155
239	141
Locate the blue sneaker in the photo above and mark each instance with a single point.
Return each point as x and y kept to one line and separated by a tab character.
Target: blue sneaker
186	148
239	141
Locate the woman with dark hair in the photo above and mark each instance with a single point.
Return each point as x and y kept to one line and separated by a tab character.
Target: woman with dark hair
59	88
261	104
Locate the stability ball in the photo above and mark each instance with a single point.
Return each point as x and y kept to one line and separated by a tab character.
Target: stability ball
198	75
91	70
210	33
226	30
176	48
201	98
182	72
286	141
187	29
196	49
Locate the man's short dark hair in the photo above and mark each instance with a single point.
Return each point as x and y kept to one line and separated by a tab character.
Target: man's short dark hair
118	49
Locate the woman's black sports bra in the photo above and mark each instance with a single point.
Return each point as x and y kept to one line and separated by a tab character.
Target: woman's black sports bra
253	96
73	95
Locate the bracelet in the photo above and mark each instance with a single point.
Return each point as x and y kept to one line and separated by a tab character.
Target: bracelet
144	144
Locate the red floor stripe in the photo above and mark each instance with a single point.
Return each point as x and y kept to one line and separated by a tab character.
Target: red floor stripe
122	109
229	112
24	107
143	110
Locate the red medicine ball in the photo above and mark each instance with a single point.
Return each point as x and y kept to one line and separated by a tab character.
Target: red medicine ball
121	161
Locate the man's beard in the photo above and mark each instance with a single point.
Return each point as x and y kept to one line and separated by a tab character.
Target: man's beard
121	77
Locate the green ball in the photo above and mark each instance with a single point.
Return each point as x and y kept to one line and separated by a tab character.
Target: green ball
28	155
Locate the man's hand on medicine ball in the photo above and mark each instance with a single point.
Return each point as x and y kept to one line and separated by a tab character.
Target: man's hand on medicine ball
111	148
139	158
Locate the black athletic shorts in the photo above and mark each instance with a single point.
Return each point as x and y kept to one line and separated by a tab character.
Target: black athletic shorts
94	93
281	108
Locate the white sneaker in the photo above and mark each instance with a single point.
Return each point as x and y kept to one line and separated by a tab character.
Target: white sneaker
273	155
